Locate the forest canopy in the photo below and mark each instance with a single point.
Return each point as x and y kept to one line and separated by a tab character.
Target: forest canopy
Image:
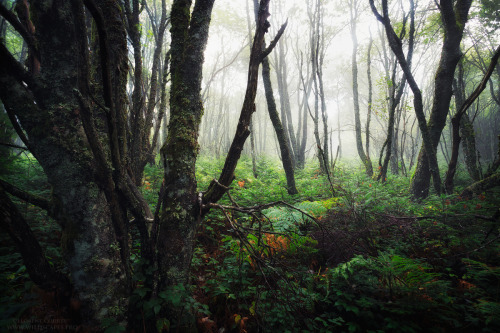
250	166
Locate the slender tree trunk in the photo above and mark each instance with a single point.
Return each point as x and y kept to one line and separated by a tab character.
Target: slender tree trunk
357	122
459	95
469	147
252	126
286	157
370	93
218	188
304	108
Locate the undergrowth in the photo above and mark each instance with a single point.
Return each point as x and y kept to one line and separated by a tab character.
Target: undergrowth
366	259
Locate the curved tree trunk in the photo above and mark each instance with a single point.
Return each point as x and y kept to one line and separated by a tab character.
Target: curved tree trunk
454	18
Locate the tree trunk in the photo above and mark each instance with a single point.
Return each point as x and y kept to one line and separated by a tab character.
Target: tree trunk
454	18
354	63
456	120
51	116
286	157
180	206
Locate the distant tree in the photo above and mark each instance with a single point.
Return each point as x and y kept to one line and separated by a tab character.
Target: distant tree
395	93
454	17
286	156
364	156
317	43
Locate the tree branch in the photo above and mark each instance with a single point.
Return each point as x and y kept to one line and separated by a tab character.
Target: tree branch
482	85
271	46
106	80
19	27
25	196
13	146
35	261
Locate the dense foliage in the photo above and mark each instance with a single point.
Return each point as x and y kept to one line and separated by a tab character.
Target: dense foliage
364	259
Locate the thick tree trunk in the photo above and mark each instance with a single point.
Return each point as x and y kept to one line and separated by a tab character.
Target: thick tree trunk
54	129
180	205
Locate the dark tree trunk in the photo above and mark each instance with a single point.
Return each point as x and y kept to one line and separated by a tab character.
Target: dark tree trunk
218	188
286	113
456	120
454	18
56	138
286	157
469	147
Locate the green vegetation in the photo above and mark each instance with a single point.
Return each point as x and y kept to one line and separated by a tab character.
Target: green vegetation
367	259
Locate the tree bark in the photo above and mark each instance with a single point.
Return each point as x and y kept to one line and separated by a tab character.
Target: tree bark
180	206
51	116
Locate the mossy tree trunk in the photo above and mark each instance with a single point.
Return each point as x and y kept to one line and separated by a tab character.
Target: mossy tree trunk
180	213
44	102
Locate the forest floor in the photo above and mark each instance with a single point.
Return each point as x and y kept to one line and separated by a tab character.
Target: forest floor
365	258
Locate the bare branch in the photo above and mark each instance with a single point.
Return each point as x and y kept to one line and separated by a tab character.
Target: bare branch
271	46
25	196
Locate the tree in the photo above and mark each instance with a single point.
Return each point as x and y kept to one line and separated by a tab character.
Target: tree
364	156
286	156
141	116
453	17
395	93
456	122
70	106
